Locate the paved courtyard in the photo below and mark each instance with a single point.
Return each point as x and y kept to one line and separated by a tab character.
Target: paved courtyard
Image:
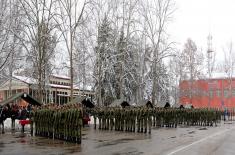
163	141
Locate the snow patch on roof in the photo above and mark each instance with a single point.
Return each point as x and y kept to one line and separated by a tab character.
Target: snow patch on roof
86	87
62	86
59	86
29	80
25	79
219	75
61	76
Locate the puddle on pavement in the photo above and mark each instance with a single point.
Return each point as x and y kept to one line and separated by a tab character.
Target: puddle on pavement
97	142
2	145
129	151
114	142
191	132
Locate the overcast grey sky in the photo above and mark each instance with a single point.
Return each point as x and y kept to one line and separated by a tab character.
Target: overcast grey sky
197	18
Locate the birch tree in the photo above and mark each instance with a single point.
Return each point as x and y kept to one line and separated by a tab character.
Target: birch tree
71	14
15	46
228	65
40	39
177	73
192	58
8	17
156	15
11	26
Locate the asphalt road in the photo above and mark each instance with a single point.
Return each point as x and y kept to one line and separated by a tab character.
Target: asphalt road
218	143
164	141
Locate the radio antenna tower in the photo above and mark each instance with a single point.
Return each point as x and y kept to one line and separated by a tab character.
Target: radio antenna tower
210	61
209	55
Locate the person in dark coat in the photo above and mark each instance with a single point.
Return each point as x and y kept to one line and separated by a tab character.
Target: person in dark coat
3	116
23	114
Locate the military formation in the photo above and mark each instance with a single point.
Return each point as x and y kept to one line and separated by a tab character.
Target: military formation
58	122
122	119
142	119
65	122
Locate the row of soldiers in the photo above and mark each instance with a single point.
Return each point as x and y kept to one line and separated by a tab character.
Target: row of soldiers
141	119
65	122
188	117
122	119
58	122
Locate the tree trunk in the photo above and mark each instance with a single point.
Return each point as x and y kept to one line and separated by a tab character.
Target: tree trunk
71	54
154	83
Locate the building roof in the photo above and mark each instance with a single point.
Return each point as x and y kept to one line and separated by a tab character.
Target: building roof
61	76
25	79
23	96
32	81
86	87
220	75
62	86
29	80
214	76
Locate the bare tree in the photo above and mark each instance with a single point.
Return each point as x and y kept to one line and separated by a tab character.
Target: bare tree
5	32
15	43
228	66
177	74
71	17
40	39
11	26
157	14
192	58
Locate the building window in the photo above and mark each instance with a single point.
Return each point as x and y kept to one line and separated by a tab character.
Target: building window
211	93
218	93
226	93
233	92
205	93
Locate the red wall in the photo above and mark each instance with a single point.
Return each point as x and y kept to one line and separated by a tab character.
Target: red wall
200	93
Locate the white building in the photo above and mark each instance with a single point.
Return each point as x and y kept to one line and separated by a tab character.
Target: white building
57	91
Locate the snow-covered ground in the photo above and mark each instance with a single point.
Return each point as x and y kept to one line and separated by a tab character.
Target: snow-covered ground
7	125
92	120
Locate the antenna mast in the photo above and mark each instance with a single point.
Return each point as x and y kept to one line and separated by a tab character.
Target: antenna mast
209	55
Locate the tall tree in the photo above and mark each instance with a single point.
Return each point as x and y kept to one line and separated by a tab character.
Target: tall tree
228	65
11	27
177	73
104	63
15	47
40	39
156	15
71	17
192	59
9	18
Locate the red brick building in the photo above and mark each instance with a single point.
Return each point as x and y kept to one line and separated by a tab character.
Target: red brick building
214	93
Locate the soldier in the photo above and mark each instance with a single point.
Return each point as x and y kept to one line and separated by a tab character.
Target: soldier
94	113
78	125
55	124
138	120
149	117
111	116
